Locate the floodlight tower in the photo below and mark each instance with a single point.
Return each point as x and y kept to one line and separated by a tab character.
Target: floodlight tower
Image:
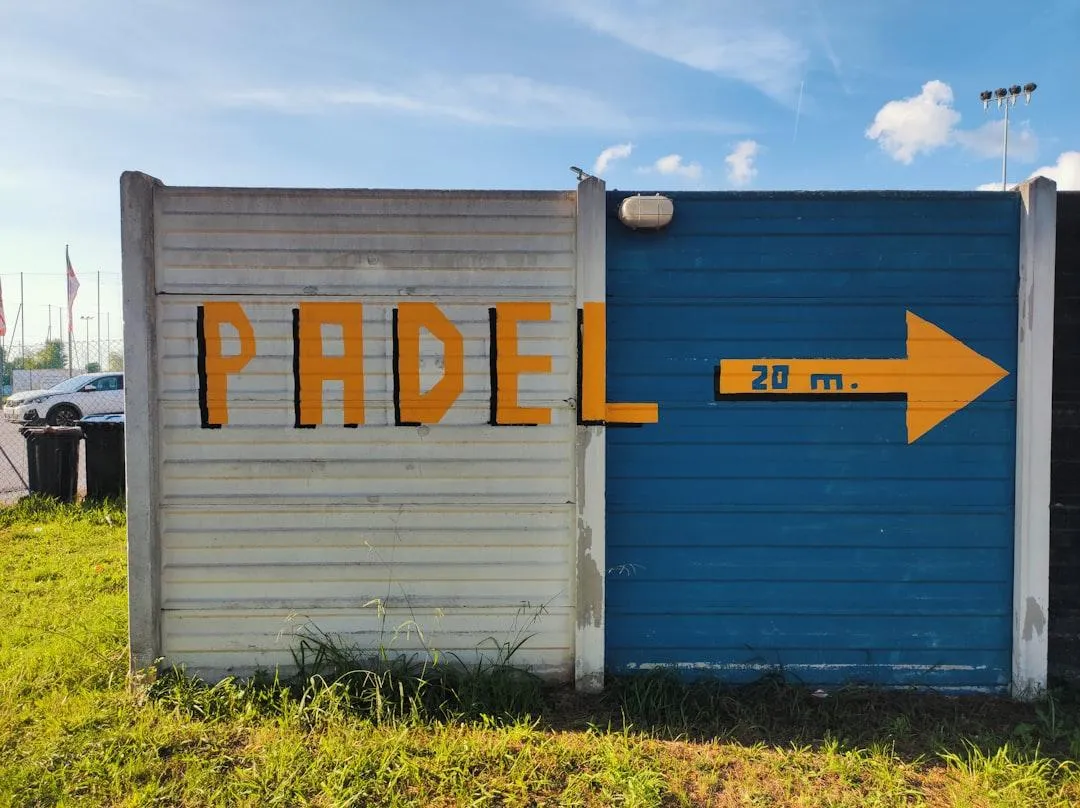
1006	98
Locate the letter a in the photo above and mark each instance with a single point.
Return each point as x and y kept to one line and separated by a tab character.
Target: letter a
311	366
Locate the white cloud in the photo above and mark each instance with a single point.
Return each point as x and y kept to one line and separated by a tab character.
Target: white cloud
1065	172
986	140
610	155
494	100
673	166
821	26
301	101
480	99
921	123
729	38
28	79
927	122
741	170
38	80
32	79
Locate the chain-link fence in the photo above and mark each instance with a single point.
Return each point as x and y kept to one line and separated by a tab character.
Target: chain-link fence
50	385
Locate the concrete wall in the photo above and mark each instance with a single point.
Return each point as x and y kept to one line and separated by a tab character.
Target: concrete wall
359	421
24	380
384	416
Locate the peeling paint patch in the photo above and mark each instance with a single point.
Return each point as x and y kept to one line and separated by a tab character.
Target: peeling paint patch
590	581
1034	619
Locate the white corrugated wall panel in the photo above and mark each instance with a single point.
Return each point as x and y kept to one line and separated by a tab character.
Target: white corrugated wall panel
397	243
443	536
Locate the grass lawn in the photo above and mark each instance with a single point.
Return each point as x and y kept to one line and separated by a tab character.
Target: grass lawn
72	731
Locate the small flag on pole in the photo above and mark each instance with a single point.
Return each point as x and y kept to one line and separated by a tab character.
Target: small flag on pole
3	321
72	289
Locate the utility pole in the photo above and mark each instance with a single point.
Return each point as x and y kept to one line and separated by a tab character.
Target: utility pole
87	318
22	309
98	320
70	351
1006	99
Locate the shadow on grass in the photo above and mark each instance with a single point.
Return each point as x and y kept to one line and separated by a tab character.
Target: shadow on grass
912	723
915	725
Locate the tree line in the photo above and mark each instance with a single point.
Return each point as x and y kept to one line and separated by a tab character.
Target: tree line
50	356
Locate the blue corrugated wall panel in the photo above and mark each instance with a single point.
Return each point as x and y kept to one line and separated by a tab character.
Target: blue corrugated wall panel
809	536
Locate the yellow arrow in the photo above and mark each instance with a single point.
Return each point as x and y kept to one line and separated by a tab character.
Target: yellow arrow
940	376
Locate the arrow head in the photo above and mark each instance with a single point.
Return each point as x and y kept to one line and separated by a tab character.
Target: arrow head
943	375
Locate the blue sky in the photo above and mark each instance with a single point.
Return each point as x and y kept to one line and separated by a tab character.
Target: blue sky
695	94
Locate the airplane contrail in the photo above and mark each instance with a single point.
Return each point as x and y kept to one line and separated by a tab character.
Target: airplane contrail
798	111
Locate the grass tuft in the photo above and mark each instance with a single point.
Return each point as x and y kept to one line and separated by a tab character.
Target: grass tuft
333	682
38	510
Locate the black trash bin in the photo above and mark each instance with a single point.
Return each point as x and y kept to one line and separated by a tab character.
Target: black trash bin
105	471
52	460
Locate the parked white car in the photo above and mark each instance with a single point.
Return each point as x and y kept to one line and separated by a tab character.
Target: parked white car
70	400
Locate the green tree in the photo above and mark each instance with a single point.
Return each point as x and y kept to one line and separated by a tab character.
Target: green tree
52	356
49	357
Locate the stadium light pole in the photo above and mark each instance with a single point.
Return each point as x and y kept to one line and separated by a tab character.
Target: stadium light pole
1006	98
